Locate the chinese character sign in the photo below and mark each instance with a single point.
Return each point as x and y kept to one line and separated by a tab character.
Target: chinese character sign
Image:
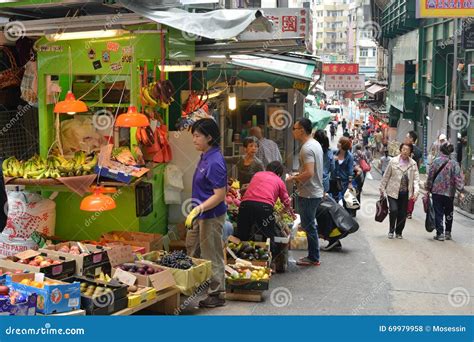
345	82
289	23
341	69
444	8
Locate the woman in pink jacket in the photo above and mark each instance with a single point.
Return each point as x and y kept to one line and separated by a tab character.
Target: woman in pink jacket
256	215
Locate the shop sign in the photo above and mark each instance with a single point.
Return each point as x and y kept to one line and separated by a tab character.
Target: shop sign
345	82
287	23
50	48
341	69
299	85
444	8
470	76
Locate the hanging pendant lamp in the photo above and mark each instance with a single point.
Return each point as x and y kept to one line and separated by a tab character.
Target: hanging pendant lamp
98	202
132	119
70	105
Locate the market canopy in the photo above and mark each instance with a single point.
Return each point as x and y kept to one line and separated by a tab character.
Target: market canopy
319	118
218	25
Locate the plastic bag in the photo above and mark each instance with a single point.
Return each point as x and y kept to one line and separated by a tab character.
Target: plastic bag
29	212
79	134
331	215
350	197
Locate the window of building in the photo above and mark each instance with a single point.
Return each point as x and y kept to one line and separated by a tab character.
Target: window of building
364	52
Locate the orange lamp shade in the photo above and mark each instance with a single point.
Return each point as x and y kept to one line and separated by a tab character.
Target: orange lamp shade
132	119
97	202
70	105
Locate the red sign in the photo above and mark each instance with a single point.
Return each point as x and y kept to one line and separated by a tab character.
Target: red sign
341	69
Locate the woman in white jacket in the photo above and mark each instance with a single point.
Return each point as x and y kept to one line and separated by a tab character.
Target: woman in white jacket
400	182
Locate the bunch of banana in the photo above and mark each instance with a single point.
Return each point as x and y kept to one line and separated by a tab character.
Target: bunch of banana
145	136
158	93
52	167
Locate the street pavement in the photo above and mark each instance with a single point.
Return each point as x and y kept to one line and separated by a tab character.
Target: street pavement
373	275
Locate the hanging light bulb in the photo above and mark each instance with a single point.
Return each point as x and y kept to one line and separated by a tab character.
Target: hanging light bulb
232	99
98	202
132	119
70	105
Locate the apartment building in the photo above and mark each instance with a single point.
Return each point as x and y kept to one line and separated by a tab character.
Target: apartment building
330	29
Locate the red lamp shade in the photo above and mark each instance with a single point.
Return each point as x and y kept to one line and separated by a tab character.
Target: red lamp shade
97	202
70	105
132	119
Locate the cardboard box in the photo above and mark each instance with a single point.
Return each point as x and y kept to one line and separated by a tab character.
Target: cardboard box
151	242
159	281
55	298
65	269
104	304
97	255
6	272
231	260
27	308
186	280
177	245
143	295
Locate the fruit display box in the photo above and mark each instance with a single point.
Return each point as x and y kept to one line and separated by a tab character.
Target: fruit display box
27	308
142	295
151	242
141	273
6	272
60	266
243	284
247	277
94	271
101	303
56	297
258	253
187	280
94	255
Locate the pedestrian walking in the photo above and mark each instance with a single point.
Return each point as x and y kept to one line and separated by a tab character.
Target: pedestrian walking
384	161
400	182
310	188
332	130
206	220
328	157
341	178
444	178
378	137
344	124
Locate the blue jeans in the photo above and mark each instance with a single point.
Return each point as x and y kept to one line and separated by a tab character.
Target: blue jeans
307	209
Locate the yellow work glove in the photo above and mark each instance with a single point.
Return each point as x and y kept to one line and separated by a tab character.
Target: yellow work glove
191	217
236	185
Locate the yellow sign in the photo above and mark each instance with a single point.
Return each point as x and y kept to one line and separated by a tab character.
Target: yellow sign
445	8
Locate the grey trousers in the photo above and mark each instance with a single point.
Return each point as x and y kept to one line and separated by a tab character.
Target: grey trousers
205	241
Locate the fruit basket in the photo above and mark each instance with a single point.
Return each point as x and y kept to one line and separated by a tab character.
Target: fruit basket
248	277
258	253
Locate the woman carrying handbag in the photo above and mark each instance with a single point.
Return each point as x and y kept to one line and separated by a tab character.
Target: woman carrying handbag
400	182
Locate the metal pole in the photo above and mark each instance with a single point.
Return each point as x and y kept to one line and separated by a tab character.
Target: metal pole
454	86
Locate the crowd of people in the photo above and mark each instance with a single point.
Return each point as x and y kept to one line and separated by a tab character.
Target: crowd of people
339	174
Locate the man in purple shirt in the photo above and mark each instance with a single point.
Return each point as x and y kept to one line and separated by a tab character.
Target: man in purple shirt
206	220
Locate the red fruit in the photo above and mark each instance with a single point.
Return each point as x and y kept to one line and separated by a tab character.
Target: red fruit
56	262
45	263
